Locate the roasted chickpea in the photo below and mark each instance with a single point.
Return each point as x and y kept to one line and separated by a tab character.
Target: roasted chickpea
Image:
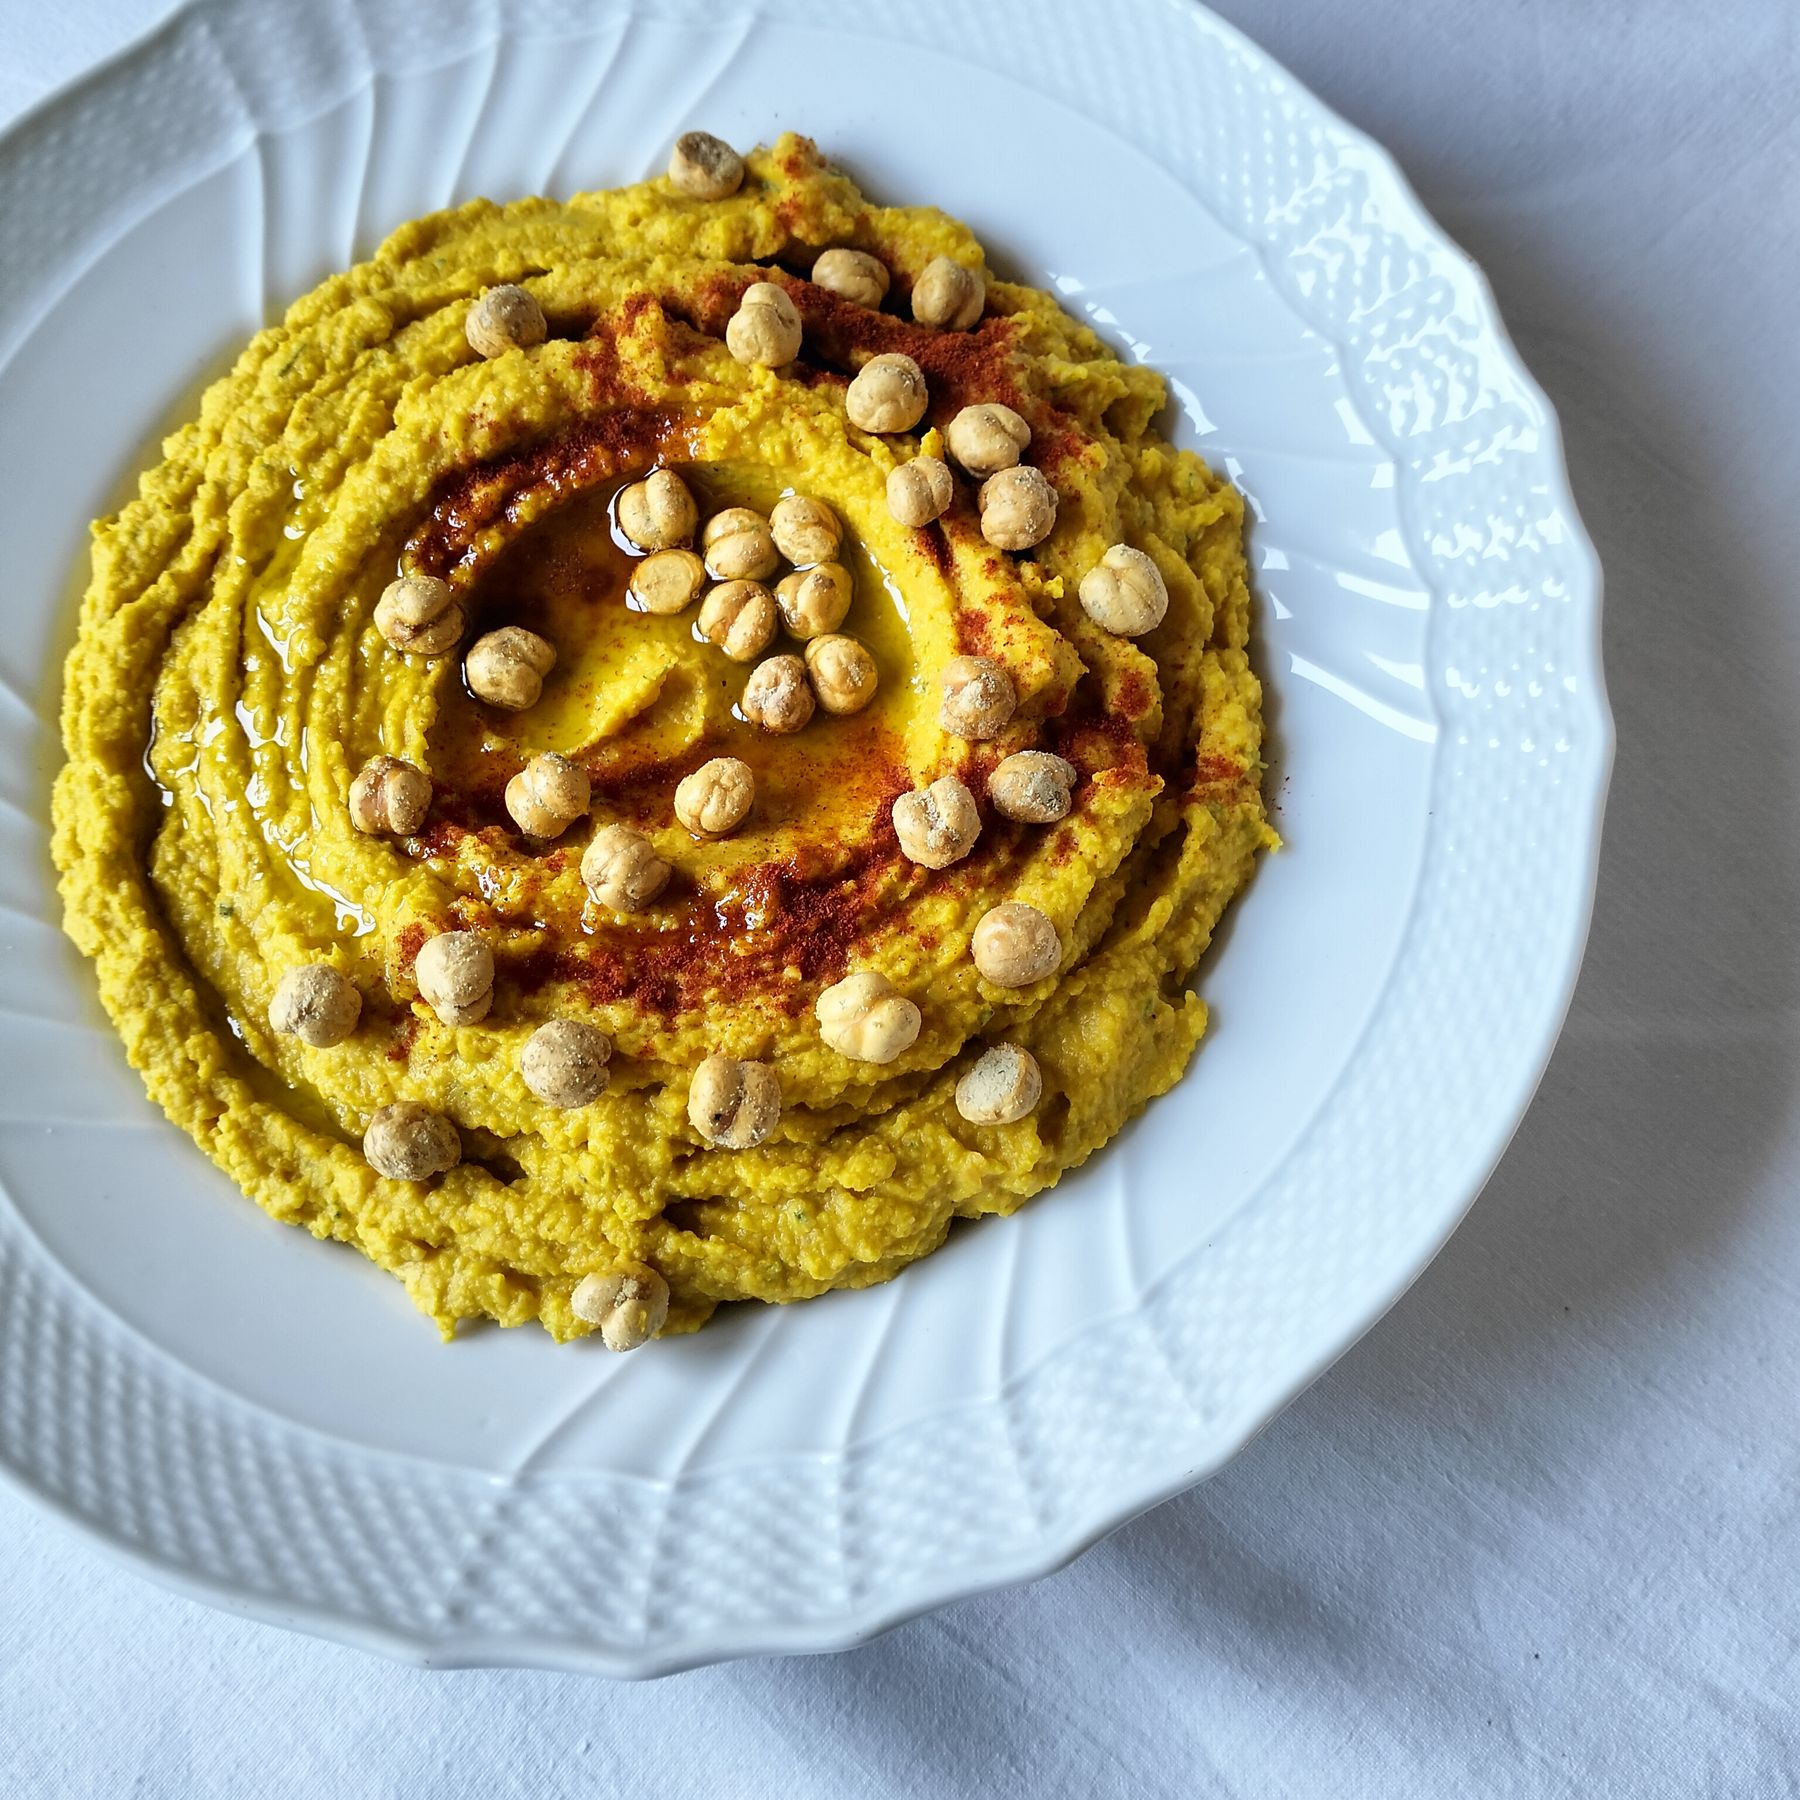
658	513
716	798
389	796
739	616
1018	508
778	697
1032	786
987	438
705	167
1003	1086
948	295
506	668
806	530
564	1062
920	491
843	673
814	601
668	581
622	869
420	615
979	697
630	1306
852	275
1015	945
548	795
455	973
765	330
734	1104
315	1004
406	1143
937	825
1125	593
739	545
866	1018
887	394
503	319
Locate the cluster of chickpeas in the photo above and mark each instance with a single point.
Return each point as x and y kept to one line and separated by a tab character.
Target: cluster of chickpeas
889	395
736	1103
739	552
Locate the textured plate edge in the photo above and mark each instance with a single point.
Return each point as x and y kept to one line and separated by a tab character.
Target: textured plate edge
454	1650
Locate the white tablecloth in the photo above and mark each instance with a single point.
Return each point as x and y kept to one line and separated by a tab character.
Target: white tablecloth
1536	1535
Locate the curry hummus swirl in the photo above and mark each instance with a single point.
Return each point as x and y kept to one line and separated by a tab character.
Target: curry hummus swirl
232	684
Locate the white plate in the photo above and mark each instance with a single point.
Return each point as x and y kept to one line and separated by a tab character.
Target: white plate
265	1421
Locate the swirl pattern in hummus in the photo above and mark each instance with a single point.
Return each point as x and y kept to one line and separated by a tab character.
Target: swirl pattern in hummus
229	682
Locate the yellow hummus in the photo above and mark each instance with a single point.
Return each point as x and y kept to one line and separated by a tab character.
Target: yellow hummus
229	682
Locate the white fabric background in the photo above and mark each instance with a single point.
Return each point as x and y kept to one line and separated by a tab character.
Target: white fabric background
1536	1536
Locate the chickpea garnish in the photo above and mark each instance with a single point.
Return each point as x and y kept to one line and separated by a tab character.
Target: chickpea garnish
705	167
564	1062
716	799
739	545
948	295
506	668
734	1104
806	530
778	696
1018	508
668	581
979	697
866	1018
548	795
389	796
987	438
739	616
1124	592
315	1004
843	673
405	1142
814	601
852	275
420	615
1003	1086
504	318
765	331
1015	945
937	825
920	491
630	1306
658	513
622	869
1032	786
887	394
455	973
